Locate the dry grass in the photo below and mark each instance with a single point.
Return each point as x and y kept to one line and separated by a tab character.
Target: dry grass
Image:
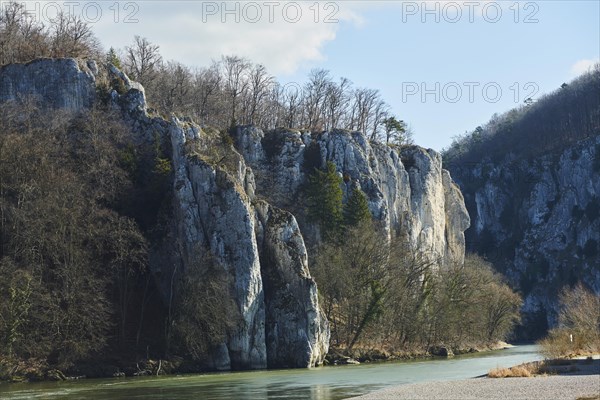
514	372
520	371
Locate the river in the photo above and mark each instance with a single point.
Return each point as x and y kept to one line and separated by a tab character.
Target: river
325	383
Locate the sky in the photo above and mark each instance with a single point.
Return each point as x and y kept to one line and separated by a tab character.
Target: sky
444	67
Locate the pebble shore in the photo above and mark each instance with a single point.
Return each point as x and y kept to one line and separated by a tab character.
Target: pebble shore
537	388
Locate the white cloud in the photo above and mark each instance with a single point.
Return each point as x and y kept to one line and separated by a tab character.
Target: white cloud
582	66
282	36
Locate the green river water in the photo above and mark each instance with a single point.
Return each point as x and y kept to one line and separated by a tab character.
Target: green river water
325	383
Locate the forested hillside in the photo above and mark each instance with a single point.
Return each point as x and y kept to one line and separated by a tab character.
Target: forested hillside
550	123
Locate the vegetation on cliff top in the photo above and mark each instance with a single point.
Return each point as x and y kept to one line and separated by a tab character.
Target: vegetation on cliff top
231	91
554	121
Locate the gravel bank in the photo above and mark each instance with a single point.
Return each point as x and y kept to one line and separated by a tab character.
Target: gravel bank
539	388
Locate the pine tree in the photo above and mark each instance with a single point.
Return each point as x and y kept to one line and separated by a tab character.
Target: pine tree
356	209
396	132
324	200
113	58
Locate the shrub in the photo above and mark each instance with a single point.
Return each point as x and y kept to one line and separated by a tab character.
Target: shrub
514	372
578	330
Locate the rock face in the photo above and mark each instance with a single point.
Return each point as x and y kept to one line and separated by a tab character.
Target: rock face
539	220
213	210
59	83
260	246
409	192
293	317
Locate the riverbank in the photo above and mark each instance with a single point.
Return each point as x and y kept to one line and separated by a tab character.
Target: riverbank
576	379
36	370
327	383
341	356
557	387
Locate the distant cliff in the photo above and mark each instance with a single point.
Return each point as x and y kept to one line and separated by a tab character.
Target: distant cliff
238	204
539	221
531	182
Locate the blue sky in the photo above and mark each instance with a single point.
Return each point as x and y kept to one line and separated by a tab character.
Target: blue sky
392	46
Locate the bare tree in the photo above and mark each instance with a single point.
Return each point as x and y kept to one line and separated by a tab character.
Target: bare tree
236	71
173	88
293	101
315	92
21	38
71	36
143	60
336	103
260	85
363	108
207	88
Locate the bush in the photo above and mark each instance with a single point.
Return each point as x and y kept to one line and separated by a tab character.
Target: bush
578	330
200	307
514	372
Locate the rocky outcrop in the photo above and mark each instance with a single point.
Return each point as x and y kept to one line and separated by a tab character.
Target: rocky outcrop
56	83
216	208
259	246
213	210
408	192
296	330
538	220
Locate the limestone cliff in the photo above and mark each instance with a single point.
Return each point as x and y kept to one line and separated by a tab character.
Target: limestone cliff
215	209
239	205
538	220
61	83
408	192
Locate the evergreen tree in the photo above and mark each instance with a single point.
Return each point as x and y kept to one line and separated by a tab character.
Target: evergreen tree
324	199
113	58
396	132
356	210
